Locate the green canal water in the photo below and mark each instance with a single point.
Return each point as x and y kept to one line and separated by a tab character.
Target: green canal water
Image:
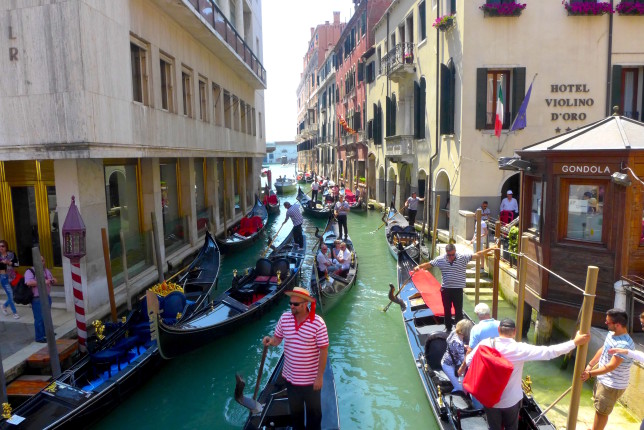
377	382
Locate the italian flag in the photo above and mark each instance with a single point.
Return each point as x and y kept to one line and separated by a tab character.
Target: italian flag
498	122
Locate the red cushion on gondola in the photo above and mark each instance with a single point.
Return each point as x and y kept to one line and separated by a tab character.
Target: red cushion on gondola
262	278
273	279
430	289
272	199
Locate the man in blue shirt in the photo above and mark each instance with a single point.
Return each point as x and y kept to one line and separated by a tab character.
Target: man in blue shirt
487	327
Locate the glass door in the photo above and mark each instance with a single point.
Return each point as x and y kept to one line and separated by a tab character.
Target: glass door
25	222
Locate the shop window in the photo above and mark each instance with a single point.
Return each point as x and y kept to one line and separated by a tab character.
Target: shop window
167	87
139	58
173	228
54	225
537	206
584	215
203	214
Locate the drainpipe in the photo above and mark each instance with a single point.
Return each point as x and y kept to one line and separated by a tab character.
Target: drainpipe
609	63
437	129
384	145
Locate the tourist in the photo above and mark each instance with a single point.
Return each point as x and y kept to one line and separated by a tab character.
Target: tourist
487	327
315	187
505	413
343	260
36	304
341	210
454	356
453	266
485	211
510	205
294	213
325	264
613	370
336	192
412	207
306	344
8	260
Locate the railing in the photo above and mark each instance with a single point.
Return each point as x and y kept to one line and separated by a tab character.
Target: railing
401	54
220	24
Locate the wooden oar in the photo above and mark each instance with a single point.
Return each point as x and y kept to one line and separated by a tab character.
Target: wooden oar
271	242
384	222
261	370
394	298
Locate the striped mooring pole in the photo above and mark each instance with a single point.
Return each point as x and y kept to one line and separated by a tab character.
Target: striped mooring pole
79	304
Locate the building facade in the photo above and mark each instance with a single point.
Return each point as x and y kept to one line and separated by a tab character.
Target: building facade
135	107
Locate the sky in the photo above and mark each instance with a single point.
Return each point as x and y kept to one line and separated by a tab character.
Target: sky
286	26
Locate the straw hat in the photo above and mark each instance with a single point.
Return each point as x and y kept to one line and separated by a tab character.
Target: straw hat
302	293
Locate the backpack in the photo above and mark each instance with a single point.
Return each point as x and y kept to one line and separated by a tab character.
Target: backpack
23	293
488	375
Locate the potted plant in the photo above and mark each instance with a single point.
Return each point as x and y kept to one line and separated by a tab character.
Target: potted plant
583	8
504	9
444	22
625	8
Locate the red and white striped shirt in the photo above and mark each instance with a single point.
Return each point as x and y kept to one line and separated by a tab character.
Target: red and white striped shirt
301	347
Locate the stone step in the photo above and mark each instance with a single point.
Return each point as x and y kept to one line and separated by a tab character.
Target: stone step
483	283
471	273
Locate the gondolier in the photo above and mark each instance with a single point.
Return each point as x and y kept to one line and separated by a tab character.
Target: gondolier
315	187
453	266
412	207
341	210
306	344
294	213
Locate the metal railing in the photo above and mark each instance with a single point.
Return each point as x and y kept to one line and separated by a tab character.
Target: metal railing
402	53
220	25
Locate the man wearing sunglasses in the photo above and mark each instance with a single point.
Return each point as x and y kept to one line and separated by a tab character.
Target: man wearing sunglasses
306	344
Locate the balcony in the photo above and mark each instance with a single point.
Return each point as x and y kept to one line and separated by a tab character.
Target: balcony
399	62
400	148
227	43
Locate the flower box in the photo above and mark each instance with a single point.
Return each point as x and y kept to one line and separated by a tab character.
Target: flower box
583	8
445	22
627	8
505	9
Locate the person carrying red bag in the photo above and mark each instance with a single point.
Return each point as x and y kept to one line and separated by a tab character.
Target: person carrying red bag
505	413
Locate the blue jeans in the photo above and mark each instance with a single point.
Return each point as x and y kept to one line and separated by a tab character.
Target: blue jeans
39	323
4	280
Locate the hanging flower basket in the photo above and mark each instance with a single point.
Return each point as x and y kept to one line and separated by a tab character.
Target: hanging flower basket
445	22
625	8
584	8
505	9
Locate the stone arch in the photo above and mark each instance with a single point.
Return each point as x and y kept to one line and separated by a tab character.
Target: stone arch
381	185
371	176
404	184
442	189
392	179
421	189
512	183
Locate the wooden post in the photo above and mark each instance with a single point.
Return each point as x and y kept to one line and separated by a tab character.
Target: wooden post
157	246
495	285
3	384
108	273
45	309
435	226
582	351
126	276
477	275
225	194
523	270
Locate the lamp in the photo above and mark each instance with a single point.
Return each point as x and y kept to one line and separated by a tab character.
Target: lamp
514	163
620	179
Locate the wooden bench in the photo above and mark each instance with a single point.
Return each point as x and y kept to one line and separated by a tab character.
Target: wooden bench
27	385
66	349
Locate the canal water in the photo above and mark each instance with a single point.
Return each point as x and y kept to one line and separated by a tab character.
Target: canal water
377	382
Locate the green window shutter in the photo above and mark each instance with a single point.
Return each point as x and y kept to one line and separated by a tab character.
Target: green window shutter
518	90
616	90
416	110
422	106
481	96
445	97
388	112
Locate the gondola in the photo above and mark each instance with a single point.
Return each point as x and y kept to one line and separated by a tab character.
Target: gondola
356	205
122	360
423	317
301	179
246	231
272	203
250	296
308	178
330	289
285	185
275	413
399	234
315	209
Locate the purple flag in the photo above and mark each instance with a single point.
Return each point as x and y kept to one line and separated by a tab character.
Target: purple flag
521	121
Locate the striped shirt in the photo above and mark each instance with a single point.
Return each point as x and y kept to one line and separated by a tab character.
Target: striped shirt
295	214
453	273
412	203
301	347
618	378
342	208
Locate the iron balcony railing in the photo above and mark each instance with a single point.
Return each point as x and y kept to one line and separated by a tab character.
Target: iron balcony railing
401	54
220	25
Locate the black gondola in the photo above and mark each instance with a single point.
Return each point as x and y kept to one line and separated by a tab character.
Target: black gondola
272	203
428	341
275	412
329	290
121	362
250	297
315	209
399	234
246	231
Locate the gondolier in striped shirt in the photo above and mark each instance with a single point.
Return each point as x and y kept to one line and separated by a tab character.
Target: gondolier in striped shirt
306	344
294	213
412	207
341	210
453	267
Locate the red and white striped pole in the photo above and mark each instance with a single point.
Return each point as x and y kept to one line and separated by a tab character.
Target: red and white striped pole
79	304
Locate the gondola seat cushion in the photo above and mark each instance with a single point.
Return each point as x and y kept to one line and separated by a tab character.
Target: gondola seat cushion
126	344
396	229
282	265
272	199
250	225
409	229
263	267
173	303
103	360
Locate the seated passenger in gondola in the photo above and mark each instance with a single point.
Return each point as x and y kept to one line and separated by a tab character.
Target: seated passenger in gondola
325	264
343	260
455	353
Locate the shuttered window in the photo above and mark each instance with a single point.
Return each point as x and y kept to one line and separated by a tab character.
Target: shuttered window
488	81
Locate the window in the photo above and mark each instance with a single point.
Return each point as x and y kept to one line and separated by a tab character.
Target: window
186	86
261	126
585	206
537	204
419	108
497	81
242	110
488	81
233	10
254	122
627	91
447	98
228	114
390	112
203	99
167	87
422	22
172	223
235	113
139	57
217	105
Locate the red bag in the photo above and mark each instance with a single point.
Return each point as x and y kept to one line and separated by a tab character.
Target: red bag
16	279
488	375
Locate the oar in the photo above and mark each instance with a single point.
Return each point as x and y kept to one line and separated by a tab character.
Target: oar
176	274
261	370
253	405
553	404
394	298
384	222
271	242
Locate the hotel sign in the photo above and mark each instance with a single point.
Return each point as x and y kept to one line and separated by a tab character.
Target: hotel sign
585	169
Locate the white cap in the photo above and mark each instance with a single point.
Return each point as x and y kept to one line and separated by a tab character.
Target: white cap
482	309
509	191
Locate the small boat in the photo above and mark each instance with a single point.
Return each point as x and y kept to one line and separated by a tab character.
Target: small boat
423	318
331	288
400	234
264	171
246	231
308	178
272	404
315	209
250	296
122	356
356	205
272	202
300	178
285	185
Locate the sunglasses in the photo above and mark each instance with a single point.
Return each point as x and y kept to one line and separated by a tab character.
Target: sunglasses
296	303
451	254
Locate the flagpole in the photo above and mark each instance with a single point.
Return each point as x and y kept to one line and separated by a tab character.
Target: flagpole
507	135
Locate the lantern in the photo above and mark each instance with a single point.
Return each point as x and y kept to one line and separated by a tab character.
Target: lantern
74	233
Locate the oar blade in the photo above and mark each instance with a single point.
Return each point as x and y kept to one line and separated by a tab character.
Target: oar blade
253	405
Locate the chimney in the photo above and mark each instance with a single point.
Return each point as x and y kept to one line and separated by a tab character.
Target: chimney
336	17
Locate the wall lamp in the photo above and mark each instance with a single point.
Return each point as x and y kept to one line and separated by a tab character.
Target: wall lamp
620	179
515	164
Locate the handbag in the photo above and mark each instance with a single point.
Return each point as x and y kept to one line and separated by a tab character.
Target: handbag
488	375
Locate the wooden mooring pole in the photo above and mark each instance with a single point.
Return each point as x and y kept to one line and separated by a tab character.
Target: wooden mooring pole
523	270
157	246
497	263
477	275
126	277
582	350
